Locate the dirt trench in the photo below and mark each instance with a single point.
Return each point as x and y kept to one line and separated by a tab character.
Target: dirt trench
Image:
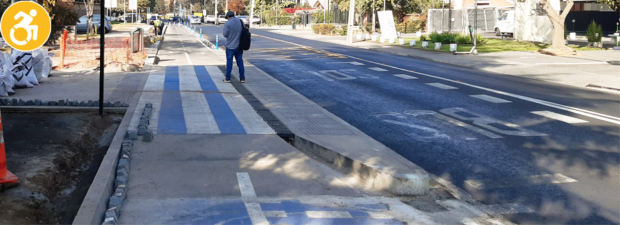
55	157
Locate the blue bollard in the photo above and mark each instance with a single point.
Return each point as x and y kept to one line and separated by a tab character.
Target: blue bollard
200	33
217	42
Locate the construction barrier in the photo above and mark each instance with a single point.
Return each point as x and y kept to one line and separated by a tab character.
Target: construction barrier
117	49
5	175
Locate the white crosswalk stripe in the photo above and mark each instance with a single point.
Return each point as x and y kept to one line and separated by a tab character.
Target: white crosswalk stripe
198	116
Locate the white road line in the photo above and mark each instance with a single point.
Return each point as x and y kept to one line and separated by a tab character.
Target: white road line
405	76
377	69
442	86
467	126
189	61
275	213
513	208
565	63
328	214
520	181
583	112
490	99
357	63
198	116
249	199
560	117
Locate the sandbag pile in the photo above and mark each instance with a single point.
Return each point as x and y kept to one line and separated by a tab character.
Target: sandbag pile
23	69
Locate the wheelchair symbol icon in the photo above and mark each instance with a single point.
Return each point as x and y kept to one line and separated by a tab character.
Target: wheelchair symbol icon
25	23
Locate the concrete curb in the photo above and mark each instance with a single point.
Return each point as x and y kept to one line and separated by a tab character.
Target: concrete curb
61	109
413	181
95	203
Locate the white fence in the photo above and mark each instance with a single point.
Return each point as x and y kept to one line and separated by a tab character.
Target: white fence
439	20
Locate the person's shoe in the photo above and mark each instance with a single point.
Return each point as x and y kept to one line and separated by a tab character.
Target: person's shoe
242	80
226	80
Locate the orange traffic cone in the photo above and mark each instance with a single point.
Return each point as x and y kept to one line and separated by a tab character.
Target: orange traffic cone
5	175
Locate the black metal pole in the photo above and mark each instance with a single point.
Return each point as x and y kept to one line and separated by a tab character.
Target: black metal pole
102	21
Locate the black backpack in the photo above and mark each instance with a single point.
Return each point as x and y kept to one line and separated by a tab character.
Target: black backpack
246	38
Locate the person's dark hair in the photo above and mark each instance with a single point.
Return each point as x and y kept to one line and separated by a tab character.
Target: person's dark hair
230	14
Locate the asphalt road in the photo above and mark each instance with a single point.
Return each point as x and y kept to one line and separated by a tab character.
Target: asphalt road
544	152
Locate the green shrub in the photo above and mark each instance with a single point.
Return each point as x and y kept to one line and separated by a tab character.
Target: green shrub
424	38
463	39
343	30
445	38
327	29
594	29
410	26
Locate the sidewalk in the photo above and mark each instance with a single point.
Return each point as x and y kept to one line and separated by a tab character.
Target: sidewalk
598	68
214	160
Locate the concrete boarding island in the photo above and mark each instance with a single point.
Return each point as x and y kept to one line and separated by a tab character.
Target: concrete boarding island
214	160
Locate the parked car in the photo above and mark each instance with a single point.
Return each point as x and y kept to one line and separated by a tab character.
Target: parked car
82	24
153	18
194	19
506	23
244	19
222	19
210	19
256	19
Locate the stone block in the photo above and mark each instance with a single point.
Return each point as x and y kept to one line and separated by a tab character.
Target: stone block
75	103
45	103
144	122
131	135
123	163
4	101
122	172
148	136
126	152
120	180
141	129
112	212
90	103
125	104
109	221
83	103
62	103
14	102
108	104
29	102
96	103
38	102
21	102
127	143
53	103
117	104
116	201
148	105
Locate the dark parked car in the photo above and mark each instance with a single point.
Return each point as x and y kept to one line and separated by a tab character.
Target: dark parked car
82	24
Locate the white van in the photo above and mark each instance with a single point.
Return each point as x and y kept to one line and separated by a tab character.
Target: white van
506	23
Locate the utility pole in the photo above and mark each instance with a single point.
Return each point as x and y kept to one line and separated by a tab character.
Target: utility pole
251	14
383	5
277	6
350	24
226	6
374	14
449	16
217	19
125	13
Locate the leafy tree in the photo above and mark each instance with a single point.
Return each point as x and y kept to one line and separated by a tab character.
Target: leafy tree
614	4
237	6
558	46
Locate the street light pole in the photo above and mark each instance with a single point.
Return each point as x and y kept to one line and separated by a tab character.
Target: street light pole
101	55
351	18
251	15
450	16
217	19
374	13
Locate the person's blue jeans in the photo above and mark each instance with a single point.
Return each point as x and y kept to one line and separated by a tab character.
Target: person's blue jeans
238	54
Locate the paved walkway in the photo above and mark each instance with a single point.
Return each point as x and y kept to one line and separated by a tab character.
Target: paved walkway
213	160
589	67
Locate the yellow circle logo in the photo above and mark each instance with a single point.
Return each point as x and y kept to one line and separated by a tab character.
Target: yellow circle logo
25	26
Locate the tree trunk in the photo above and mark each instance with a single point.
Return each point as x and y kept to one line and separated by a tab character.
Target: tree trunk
558	46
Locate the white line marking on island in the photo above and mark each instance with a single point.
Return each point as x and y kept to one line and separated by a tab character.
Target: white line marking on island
377	69
405	76
249	199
